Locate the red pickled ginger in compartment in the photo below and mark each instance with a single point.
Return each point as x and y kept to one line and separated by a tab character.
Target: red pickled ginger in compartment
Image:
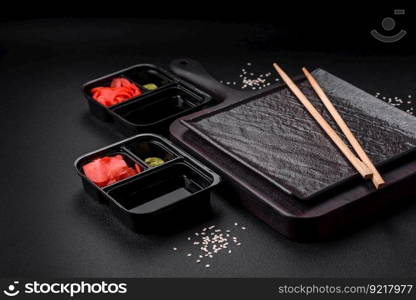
109	169
120	90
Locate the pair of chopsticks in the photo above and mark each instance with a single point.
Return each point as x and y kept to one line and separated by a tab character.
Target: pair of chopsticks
362	163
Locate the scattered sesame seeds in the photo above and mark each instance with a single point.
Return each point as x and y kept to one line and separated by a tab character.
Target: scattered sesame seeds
398	101
213	242
249	79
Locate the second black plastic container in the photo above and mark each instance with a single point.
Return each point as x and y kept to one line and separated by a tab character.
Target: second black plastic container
155	108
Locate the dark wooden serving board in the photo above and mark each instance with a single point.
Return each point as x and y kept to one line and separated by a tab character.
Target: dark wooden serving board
275	156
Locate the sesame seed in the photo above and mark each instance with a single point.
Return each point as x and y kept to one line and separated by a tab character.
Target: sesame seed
211	241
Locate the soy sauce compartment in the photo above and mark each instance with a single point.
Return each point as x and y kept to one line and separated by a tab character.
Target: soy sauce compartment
143	75
130	161
158	106
150	148
160	189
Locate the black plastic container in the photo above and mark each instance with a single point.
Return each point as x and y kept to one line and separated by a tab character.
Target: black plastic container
159	196
153	110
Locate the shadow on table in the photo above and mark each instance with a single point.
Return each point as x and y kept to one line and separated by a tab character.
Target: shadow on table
103	217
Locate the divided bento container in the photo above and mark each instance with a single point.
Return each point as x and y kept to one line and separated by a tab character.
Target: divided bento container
153	110
158	196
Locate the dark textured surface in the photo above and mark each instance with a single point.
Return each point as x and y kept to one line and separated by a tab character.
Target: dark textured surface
50	227
277	135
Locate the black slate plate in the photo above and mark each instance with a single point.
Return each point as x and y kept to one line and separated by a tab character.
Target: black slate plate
274	135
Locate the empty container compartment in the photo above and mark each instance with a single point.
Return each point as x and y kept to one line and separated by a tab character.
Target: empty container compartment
160	189
158	106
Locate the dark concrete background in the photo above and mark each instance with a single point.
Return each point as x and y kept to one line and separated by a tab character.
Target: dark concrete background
50	227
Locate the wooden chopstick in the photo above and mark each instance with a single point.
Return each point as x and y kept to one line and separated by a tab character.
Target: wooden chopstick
378	181
358	164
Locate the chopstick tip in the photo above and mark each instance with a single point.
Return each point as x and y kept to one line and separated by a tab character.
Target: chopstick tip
378	184
278	69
